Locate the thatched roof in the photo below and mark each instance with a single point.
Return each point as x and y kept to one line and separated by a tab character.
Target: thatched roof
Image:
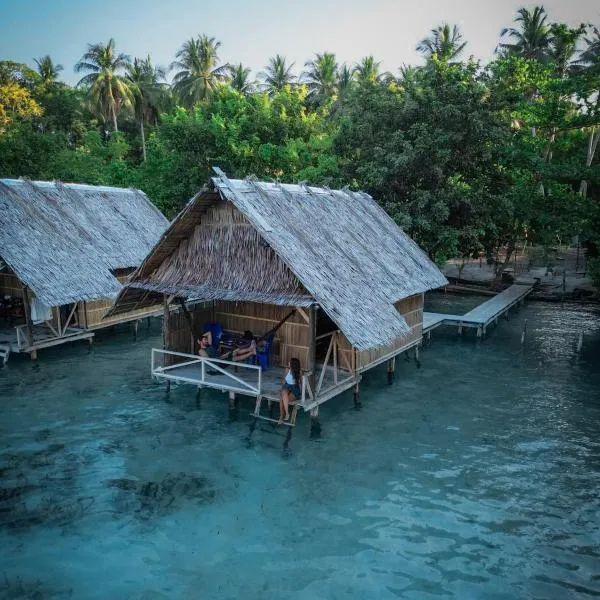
63	240
341	249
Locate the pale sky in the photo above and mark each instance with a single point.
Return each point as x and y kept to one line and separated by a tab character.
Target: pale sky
251	32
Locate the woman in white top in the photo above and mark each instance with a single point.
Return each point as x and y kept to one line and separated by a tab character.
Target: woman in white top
290	390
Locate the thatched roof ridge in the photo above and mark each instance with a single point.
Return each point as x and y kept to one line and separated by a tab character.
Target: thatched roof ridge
348	254
63	240
345	249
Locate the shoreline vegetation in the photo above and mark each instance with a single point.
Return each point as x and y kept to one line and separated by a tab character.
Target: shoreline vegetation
470	159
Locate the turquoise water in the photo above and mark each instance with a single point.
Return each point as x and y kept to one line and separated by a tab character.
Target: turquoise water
475	476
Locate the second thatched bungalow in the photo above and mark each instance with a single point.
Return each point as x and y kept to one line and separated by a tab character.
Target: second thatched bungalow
323	275
65	250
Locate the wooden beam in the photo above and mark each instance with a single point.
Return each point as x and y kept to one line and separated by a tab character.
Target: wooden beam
303	314
165	328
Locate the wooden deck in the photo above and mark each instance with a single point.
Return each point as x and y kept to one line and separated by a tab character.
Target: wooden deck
43	337
241	378
481	316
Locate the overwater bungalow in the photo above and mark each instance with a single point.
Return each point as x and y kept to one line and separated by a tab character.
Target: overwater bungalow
321	275
65	251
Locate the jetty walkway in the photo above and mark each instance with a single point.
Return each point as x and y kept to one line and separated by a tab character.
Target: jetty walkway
481	316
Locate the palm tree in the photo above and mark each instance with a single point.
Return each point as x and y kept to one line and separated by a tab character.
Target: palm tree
322	75
199	71
147	89
47	70
240	78
532	38
345	79
367	71
590	57
277	75
445	42
563	46
108	90
589	62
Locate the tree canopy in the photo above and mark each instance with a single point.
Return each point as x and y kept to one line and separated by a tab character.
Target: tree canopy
467	157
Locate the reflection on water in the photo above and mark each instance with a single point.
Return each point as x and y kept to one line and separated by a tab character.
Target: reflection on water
475	476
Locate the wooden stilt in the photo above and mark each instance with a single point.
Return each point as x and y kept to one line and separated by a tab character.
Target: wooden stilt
524	332
460	328
27	310
134	325
168	386
232	401
356	391
417	356
391	367
479	332
315	426
34	355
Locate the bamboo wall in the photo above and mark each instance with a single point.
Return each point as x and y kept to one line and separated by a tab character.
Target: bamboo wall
10	285
91	312
411	309
291	339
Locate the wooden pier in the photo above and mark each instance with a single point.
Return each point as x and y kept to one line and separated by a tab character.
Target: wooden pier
481	316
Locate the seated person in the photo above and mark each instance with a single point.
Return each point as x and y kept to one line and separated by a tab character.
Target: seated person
243	352
290	390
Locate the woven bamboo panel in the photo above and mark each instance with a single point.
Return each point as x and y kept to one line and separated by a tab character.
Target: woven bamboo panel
97	309
409	304
10	285
289	351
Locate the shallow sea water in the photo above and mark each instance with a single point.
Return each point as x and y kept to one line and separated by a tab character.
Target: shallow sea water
474	476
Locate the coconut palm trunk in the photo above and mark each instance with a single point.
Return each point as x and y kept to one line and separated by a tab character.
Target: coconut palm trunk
592	147
143	139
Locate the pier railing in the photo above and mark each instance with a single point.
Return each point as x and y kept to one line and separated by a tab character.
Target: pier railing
209	372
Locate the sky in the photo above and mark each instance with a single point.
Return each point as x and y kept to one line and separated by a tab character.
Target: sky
253	31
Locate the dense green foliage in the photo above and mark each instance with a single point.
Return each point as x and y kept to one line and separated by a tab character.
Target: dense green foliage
467	158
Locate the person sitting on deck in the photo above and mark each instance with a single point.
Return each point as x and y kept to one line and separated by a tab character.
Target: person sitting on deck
245	351
290	390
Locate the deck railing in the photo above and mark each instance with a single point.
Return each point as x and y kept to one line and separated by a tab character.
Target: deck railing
204	377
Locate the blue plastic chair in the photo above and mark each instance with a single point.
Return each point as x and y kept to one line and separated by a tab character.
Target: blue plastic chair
216	330
263	356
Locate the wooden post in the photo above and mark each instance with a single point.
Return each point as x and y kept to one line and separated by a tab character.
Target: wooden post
27	309
356	390
417	358
231	400
165	332
165	327
391	367
85	316
524	332
312	346
315	426
479	331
